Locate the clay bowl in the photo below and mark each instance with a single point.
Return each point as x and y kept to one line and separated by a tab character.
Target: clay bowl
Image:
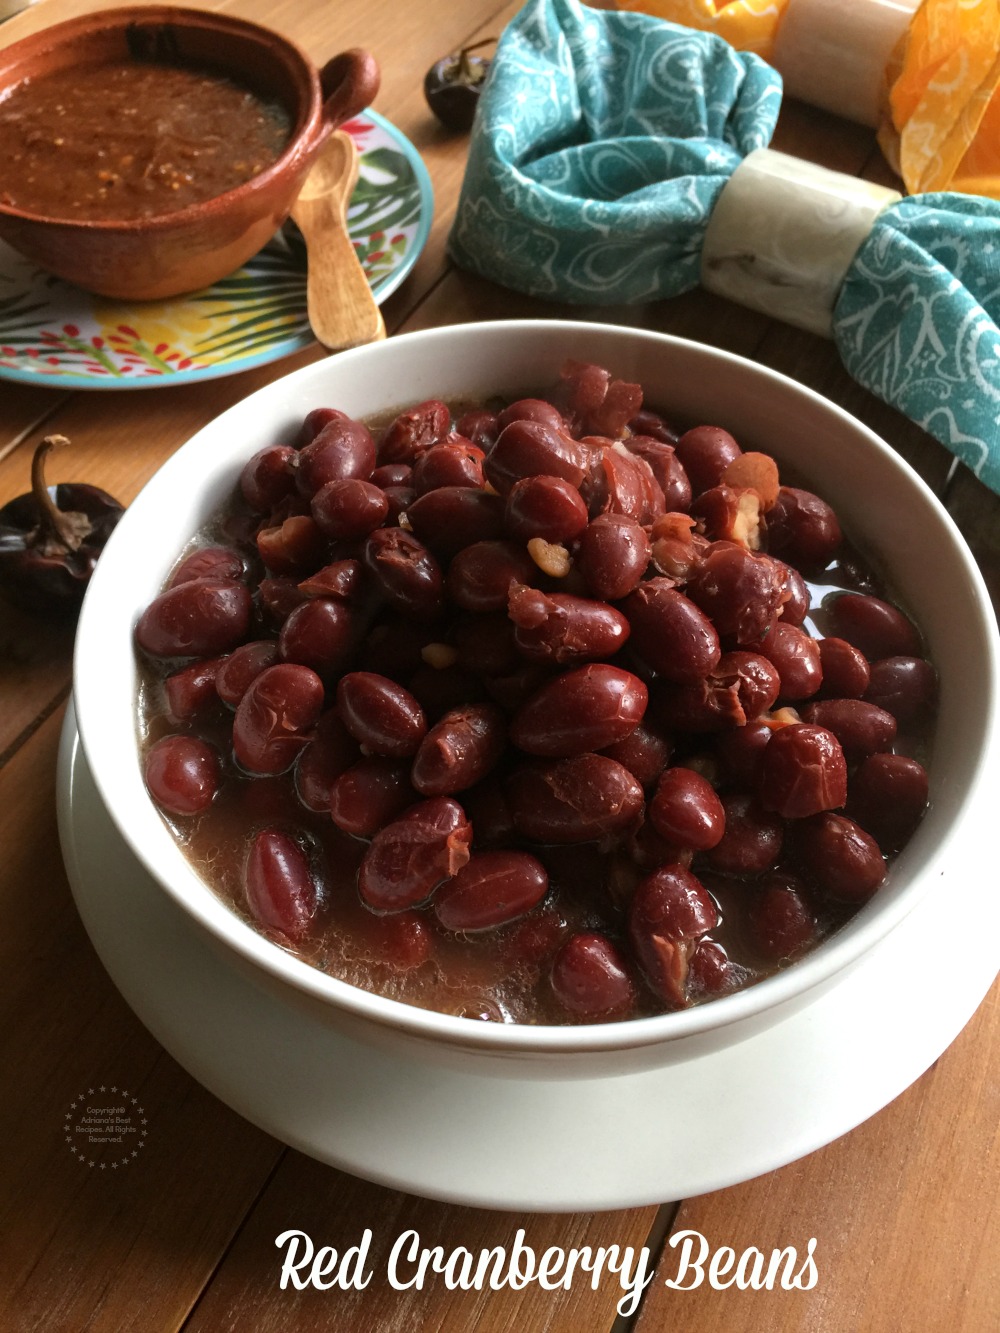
171	253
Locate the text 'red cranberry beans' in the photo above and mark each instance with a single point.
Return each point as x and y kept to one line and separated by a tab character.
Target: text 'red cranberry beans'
545	711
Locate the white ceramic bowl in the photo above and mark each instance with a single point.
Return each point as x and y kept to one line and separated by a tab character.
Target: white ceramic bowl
885	507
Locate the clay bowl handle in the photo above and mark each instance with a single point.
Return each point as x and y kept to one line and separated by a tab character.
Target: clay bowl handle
349	83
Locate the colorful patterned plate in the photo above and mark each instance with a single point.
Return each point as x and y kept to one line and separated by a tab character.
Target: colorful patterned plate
53	332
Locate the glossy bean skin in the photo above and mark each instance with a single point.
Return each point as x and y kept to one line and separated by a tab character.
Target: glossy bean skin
479	425
710	971
666	467
574	800
546	507
348	508
877	627
844	858
888	795
480	577
342	449
279	597
315	421
645	752
318	634
406	573
620	482
906	687
803	528
561	629
392	474
295	546
192	689
590	978
579	711
344	580
408	859
686	811
492	889
705	452
861	728
460	750
670	633
199	618
531	409
738	591
845	669
209	562
331	752
413	431
268	477
370	794
453	462
399	498
797	599
780	922
613	557
752	840
796	658
280	889
669	911
803	772
241	667
454	517
534	448
274	716
182	774
380	714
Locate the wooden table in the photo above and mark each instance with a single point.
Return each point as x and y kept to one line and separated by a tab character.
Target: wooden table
902	1208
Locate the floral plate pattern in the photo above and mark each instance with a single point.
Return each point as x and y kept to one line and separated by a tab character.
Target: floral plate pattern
52	332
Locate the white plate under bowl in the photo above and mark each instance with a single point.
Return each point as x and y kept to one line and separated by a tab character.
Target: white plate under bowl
531	1144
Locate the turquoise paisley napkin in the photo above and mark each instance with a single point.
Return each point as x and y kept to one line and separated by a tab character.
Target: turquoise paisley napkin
601	145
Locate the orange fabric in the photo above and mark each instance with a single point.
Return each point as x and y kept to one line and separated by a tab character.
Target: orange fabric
749	25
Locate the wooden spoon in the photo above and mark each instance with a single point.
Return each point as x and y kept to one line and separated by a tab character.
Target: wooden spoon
342	310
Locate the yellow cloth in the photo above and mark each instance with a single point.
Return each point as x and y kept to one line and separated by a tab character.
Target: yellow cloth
941	129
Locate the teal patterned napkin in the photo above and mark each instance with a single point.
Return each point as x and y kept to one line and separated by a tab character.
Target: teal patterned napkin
601	145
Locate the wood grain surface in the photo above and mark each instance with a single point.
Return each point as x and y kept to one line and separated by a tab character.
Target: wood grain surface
902	1208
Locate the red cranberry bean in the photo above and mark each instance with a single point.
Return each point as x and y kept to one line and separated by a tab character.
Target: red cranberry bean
670	633
454	517
460	750
318	634
546	507
414	431
280	889
803	771
480	426
402	941
399	499
796	657
598	404
614	553
562	629
844	858
276	711
330	752
739	592
802	528
645	753
889	795
878	628
904	686
710	971
531	409
200	618
654	426
752	840
349	508
861	728
192	689
590	978
796	596
295	546
485	644
706	452
342	449
279	598
406	572
370	794
666	468
268	477
381	715
392	474
243	665
182	774
209	562
670	909
845	669
741	753
574	800
453	462
726	514
534	448
620	482
480	577
344	580
582	710
490	890
686	811
408	859
780	922
757	681
314	421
